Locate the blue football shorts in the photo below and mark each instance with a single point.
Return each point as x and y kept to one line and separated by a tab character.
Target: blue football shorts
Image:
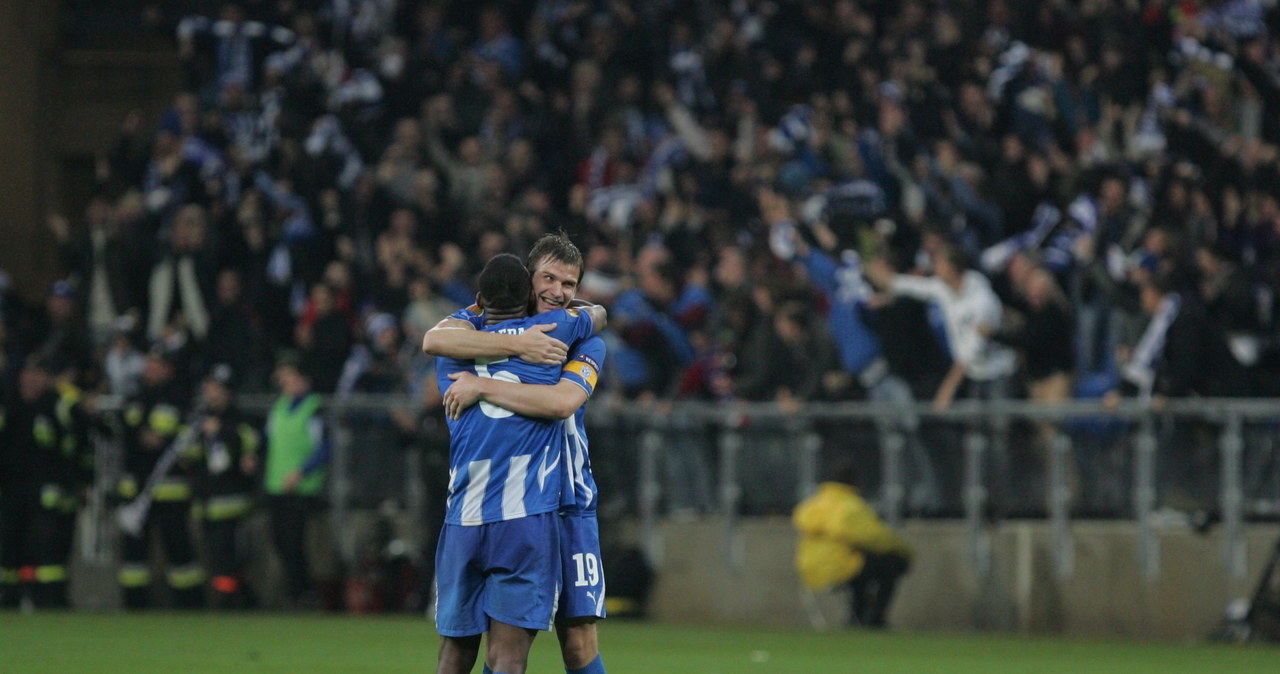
506	571
582	595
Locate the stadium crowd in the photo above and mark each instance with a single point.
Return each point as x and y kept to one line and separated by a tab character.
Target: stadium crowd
778	200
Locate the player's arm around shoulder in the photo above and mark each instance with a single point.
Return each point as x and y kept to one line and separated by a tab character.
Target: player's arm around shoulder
561	400
543	401
447	337
458	338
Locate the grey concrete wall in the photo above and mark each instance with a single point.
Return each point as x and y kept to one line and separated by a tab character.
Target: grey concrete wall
707	576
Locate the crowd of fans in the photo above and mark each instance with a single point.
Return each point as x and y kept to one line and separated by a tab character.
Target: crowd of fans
1095	186
777	200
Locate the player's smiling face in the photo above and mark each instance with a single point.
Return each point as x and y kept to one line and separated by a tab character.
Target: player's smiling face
554	284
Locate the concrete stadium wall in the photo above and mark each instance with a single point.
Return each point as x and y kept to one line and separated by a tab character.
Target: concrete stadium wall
59	108
27	36
706	576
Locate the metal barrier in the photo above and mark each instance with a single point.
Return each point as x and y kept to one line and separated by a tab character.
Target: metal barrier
1194	462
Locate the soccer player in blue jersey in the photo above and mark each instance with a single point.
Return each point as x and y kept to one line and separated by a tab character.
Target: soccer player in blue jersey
555	265
582	594
497	562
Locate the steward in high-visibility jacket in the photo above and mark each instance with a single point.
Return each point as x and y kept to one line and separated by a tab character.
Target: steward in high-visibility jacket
224	458
842	540
298	449
41	473
152	422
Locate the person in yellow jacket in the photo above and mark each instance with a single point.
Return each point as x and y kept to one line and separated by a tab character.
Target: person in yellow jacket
843	541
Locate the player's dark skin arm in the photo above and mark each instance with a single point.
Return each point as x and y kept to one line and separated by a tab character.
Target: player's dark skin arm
454	338
545	401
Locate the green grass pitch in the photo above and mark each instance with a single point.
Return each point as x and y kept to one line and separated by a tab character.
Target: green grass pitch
272	642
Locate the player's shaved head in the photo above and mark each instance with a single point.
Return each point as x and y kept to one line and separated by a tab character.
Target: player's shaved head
504	284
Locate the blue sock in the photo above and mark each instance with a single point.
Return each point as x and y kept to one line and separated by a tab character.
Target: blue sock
594	667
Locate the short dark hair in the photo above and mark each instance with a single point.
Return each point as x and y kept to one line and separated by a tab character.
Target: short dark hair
504	282
557	247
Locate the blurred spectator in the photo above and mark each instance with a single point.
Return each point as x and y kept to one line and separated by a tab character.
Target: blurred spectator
465	168
228	49
95	260
750	341
235	335
375	366
1180	353
971	311
424	310
1117	232
400	257
325	340
1232	305
297	454
182	279
653	320
806	357
1042	333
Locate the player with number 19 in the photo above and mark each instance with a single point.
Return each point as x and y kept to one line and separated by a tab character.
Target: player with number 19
582	599
497	565
555	266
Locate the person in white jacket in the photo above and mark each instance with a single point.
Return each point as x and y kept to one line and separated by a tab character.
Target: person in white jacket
971	312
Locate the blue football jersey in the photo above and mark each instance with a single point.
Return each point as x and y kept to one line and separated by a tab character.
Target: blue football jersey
502	465
583	368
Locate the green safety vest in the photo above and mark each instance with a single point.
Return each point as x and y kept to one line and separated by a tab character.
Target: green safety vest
289	444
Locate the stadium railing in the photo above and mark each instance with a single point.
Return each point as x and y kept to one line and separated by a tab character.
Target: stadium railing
1197	462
